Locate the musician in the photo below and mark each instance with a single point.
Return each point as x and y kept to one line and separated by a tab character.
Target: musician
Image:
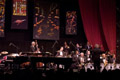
38	50
66	48
96	57
88	56
88	46
82	59
104	59
114	59
60	53
34	46
110	57
78	48
36	43
75	59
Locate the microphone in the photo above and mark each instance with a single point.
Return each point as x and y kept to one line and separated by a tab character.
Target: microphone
54	44
10	44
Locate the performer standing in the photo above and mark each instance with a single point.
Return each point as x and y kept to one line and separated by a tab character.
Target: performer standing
96	57
34	46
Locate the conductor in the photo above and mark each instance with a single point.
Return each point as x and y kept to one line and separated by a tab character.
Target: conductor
96	57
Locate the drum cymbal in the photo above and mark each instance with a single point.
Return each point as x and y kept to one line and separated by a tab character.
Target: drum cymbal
4	52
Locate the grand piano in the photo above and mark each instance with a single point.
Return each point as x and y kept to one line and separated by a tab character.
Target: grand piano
33	58
57	60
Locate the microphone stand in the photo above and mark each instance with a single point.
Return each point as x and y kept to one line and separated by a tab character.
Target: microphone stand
15	47
53	46
72	44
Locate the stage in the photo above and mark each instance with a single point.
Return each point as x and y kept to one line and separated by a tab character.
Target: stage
26	74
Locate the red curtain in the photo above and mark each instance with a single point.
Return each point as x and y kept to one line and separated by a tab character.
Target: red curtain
91	21
108	19
99	20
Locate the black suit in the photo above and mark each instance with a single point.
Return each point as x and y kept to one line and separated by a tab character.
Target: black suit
84	59
110	57
88	58
78	49
75	59
96	58
88	47
33	48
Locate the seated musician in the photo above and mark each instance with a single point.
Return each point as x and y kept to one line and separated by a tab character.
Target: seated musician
88	56
75	60
66	48
104	59
114	59
82	60
78	48
109	57
88	46
60	53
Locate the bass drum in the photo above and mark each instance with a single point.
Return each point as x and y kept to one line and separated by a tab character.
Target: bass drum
25	64
39	64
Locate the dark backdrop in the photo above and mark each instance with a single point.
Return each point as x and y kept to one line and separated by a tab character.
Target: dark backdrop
23	38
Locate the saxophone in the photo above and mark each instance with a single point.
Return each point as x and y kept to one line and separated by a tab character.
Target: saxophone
105	62
82	63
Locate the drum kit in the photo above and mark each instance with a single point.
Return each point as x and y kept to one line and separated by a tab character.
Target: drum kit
5	53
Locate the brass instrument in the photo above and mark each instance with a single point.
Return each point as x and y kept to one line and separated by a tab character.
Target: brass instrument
82	63
104	57
105	62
